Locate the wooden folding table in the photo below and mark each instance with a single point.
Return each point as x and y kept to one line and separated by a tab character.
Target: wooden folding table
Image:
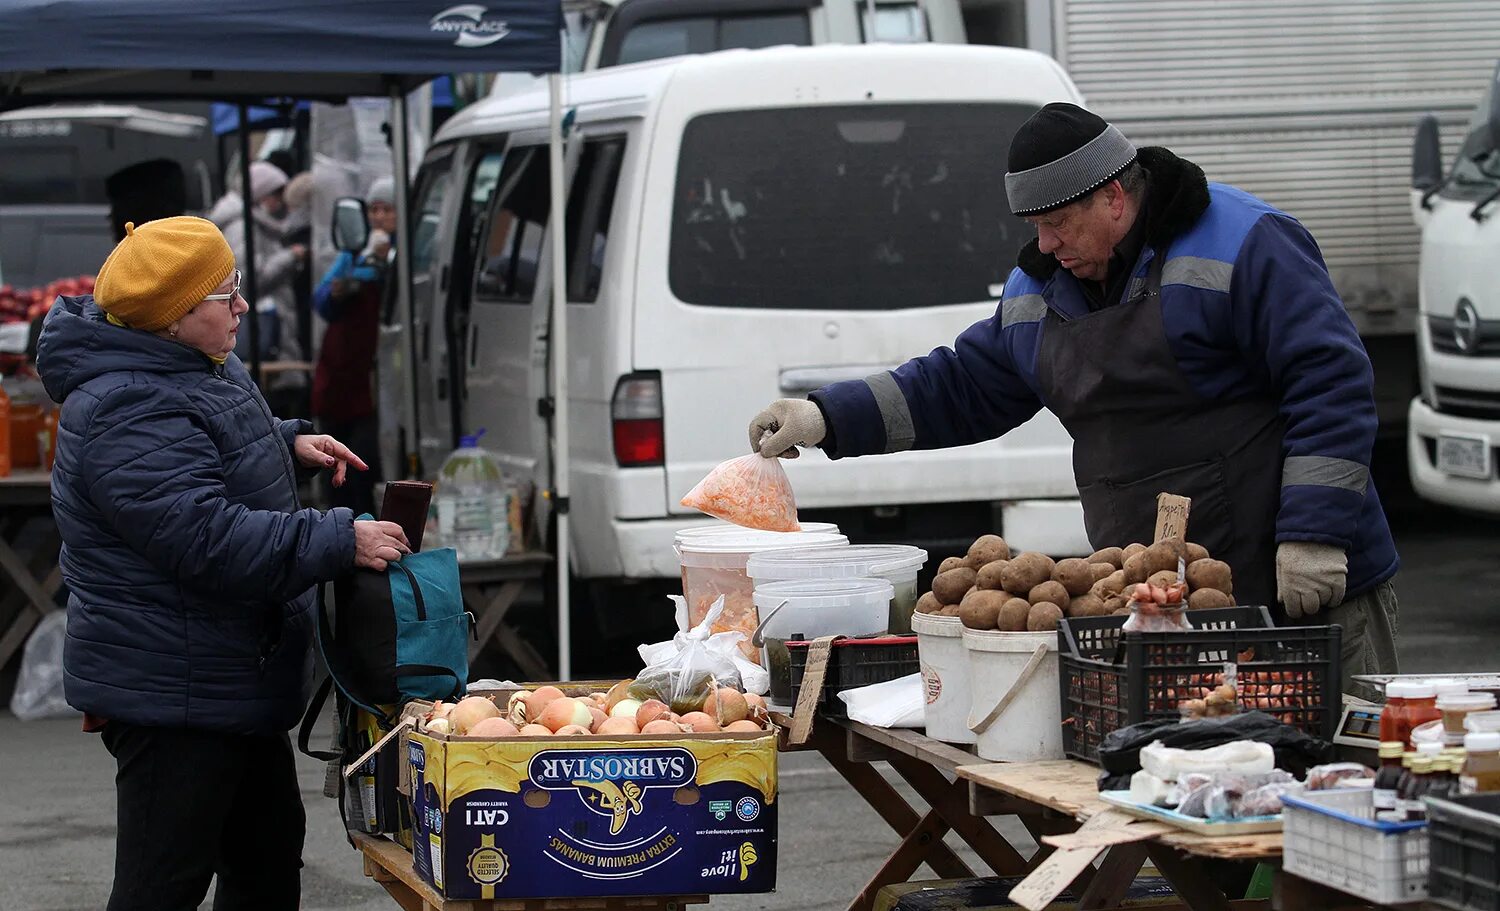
490	589
26	525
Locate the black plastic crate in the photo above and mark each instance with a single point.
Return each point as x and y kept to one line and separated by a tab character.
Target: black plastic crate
854	663
1111	679
1464	838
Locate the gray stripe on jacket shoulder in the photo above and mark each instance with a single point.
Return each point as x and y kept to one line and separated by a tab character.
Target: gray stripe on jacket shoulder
1197	271
900	435
1325	471
1025	308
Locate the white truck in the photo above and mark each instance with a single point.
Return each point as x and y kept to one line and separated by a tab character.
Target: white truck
1454	423
1309	105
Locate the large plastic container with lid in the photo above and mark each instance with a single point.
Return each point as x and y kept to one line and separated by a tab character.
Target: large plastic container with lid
729	528
714	565
810	608
896	563
472	502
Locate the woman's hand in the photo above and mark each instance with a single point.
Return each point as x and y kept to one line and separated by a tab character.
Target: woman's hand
319	450
378	543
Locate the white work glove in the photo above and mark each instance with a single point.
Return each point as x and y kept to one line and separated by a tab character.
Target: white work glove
790	423
1309	576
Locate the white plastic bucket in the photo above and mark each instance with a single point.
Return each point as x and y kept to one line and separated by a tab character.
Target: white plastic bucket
898	564
945	677
816	607
714	565
1029	728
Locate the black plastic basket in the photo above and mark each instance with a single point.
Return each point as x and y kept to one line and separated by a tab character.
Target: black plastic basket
1111	679
854	663
1464	838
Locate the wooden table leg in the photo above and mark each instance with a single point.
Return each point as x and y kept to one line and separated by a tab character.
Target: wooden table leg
37	601
951	801
489	611
1188	879
889	804
1109	883
898	868
1041	825
489	624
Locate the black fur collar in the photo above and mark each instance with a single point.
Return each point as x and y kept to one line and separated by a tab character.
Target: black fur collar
1176	197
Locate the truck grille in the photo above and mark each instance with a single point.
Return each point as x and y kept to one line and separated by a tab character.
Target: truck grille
1441	331
1467	403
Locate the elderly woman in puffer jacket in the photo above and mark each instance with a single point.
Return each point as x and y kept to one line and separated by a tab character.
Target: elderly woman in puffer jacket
192	569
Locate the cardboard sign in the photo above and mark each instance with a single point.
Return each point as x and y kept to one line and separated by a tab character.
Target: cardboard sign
1171	516
811	689
1059	870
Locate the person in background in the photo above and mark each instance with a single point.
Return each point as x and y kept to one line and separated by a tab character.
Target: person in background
192	569
275	276
349	298
145	191
297	231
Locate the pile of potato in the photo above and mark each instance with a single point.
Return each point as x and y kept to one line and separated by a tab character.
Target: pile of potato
989	589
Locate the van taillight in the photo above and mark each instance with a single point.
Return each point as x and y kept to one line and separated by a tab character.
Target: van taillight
640	438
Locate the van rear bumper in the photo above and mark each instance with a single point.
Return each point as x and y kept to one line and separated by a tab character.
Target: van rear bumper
644	547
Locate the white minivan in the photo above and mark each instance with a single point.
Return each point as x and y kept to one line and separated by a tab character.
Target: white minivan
741	225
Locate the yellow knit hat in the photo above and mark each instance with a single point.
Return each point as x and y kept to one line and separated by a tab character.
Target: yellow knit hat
161	270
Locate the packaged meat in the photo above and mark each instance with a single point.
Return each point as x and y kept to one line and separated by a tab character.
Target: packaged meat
751	490
1336	775
1187	785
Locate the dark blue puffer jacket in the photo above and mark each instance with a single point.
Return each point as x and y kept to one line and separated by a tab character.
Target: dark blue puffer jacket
190	562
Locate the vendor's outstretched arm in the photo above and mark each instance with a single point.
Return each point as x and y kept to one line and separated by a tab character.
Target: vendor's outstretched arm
952	397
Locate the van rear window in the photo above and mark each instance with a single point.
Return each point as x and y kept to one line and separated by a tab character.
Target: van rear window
857	207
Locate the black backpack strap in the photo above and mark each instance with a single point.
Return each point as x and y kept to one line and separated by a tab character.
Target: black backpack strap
310	720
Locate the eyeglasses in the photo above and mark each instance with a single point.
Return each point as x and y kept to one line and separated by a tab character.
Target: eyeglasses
229	295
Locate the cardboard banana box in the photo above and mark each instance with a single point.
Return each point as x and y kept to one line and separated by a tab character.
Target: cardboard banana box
590	816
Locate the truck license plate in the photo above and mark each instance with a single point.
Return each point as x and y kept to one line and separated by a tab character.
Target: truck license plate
1463	456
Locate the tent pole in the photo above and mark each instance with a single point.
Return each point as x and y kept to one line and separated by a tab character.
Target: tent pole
403	285
247	268
559	361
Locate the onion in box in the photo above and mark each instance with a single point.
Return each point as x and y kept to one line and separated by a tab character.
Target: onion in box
1245	757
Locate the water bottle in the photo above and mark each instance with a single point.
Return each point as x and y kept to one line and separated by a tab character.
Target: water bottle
472	501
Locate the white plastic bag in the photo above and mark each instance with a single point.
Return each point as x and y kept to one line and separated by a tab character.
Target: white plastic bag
717	650
898	703
39	688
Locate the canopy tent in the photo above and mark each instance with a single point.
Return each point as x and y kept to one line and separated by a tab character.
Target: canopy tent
260	51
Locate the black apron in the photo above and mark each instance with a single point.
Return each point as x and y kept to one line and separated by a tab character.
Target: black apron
1139	429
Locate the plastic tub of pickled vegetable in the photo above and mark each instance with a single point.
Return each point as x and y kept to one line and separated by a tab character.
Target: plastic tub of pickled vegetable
898	564
809	608
714	565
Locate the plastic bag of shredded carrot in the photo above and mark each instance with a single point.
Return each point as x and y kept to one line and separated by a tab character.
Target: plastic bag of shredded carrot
751	490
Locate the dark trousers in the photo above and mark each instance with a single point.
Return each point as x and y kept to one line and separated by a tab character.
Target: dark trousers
193	804
362	436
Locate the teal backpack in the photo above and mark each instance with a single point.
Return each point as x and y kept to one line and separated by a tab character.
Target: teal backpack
394	636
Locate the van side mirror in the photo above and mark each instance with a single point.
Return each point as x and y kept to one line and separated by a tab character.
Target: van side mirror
351	224
1426	156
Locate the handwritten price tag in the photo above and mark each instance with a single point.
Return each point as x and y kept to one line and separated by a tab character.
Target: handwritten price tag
1171	516
1058	871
